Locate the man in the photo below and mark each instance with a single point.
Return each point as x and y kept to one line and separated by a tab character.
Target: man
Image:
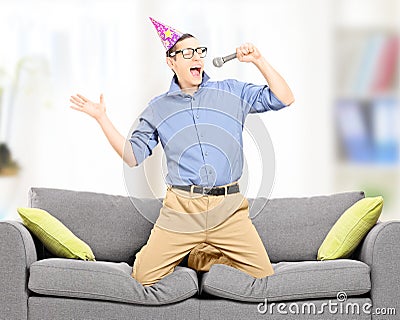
199	124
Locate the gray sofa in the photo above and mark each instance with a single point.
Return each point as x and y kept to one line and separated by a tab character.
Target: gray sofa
35	285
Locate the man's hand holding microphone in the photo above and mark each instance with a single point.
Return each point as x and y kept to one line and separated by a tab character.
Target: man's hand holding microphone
247	52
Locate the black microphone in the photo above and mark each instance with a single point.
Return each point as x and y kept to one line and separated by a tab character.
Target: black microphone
218	62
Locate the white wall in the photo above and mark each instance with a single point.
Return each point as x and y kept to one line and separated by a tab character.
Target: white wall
111	47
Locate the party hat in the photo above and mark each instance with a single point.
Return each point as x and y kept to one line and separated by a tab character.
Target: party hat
168	35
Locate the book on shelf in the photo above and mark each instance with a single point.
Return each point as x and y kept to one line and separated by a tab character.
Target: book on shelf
353	131
369	131
385	129
372	70
367	64
386	66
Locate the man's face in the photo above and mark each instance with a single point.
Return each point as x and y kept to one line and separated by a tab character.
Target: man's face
188	71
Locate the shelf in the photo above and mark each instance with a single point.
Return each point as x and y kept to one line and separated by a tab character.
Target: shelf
363	14
368	169
366	99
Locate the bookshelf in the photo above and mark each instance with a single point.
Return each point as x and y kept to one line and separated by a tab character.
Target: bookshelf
366	99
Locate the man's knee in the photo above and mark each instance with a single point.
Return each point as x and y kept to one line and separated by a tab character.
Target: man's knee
148	277
262	268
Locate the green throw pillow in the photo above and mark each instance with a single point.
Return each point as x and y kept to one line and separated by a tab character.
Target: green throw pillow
350	229
56	237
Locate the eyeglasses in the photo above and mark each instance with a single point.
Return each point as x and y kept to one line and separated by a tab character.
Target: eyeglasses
188	53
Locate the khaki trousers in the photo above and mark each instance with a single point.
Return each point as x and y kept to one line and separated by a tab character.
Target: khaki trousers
213	229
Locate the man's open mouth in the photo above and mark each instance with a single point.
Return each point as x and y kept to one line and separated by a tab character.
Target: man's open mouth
195	71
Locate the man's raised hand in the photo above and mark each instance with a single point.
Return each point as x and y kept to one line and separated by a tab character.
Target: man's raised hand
248	52
93	109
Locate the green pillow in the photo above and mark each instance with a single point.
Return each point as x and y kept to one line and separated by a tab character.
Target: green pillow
56	237
350	229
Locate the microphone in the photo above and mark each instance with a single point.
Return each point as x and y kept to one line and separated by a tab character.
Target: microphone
218	62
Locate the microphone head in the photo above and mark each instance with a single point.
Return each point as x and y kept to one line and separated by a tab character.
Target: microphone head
218	62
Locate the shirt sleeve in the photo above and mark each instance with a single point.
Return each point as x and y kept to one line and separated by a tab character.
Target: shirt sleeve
258	98
145	137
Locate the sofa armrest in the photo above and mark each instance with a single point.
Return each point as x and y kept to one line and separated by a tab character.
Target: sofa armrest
17	253
381	251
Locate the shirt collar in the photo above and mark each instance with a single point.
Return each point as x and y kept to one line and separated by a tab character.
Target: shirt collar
174	88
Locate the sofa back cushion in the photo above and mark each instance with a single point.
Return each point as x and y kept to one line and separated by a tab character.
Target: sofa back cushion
293	229
110	224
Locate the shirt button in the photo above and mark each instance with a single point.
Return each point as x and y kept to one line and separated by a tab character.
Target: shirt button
197	116
206	153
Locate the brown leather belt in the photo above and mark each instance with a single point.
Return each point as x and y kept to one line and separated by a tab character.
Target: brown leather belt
213	191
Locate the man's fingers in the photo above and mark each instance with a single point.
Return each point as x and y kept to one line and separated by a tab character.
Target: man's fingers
250	47
77	102
82	97
239	53
76	108
247	52
246	48
242	55
101	98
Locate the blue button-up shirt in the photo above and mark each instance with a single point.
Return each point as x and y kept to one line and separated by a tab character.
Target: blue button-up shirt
201	134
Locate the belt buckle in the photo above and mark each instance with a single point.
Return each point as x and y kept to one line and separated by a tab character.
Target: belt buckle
206	190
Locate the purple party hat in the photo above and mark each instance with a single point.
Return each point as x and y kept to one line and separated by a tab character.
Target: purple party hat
168	35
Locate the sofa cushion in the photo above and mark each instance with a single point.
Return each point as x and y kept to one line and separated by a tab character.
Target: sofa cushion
292	229
108	281
291	281
115	227
350	229
56	237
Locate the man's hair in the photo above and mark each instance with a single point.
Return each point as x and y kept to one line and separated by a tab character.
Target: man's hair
184	36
